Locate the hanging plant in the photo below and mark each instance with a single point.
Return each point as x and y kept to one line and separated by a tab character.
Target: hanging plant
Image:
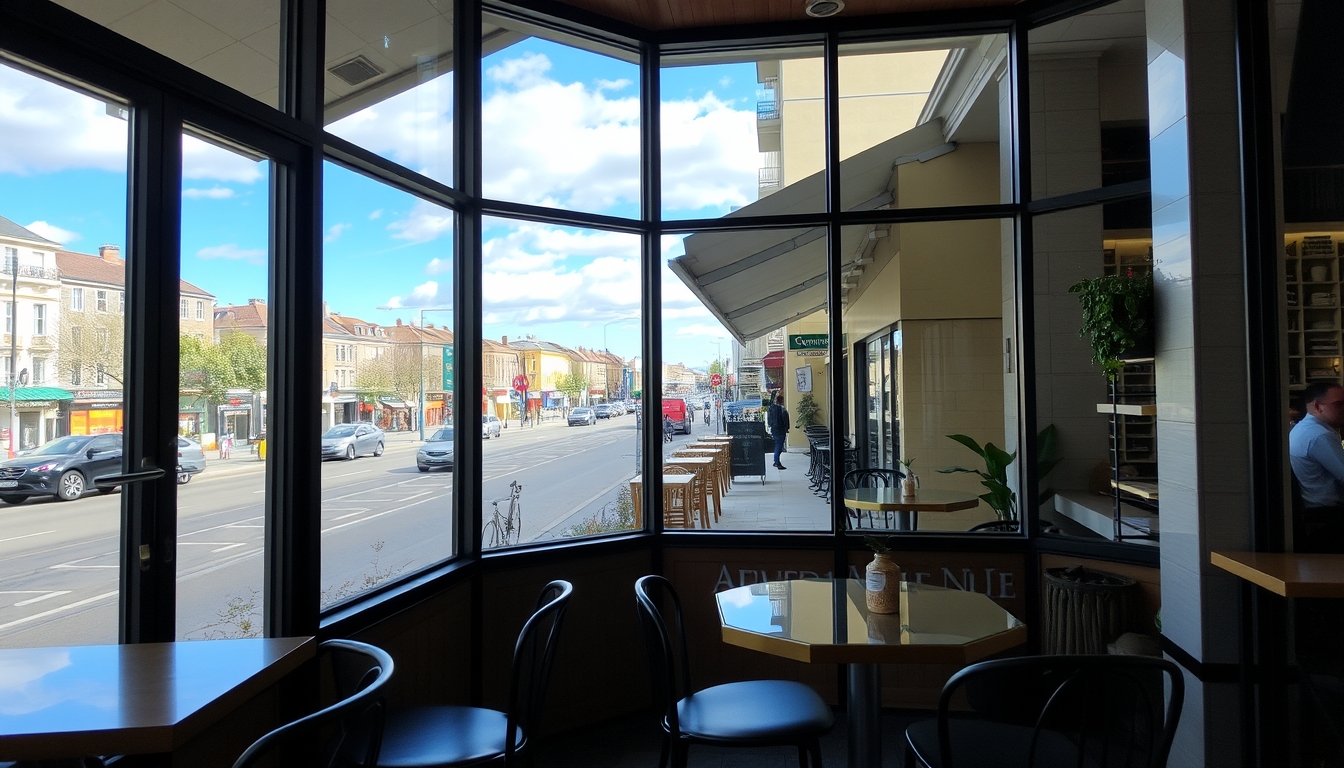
1117	318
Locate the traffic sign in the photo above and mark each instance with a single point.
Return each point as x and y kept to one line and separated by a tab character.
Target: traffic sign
715	379
520	382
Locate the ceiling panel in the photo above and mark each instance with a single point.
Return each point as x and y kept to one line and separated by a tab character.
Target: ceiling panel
684	14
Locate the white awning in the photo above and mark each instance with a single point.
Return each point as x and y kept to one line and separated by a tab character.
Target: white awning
756	282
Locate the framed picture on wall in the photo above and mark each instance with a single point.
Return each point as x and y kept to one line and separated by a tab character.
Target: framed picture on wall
805	378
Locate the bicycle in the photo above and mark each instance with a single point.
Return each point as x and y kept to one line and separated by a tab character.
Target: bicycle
503	530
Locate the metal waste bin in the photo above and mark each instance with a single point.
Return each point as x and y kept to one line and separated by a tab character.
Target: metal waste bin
1086	609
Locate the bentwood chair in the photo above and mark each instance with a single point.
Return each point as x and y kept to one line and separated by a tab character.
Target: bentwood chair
443	736
346	734
870	477
752	713
691	500
1053	711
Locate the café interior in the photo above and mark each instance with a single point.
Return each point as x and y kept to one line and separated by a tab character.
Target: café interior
935	176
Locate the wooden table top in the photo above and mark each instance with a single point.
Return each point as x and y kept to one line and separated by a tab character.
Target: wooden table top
677	479
75	701
1286	573
691	460
890	500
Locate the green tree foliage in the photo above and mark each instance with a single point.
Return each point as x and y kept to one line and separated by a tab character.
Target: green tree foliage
237	361
397	372
572	384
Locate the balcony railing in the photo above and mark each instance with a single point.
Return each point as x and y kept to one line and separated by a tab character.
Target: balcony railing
769	177
767	110
27	270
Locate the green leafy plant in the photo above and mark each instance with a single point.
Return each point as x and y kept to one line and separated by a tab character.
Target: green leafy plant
994	477
879	544
907	464
1117	317
809	413
611	518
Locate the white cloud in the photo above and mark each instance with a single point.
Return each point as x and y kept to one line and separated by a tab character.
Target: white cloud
437	266
231	252
414	128
425	222
702	331
49	128
213	193
335	231
375	215
52	232
422	295
209	161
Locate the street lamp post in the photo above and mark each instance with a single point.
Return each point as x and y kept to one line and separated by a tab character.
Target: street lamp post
420	347
13	265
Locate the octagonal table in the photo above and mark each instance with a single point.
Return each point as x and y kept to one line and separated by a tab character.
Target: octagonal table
827	621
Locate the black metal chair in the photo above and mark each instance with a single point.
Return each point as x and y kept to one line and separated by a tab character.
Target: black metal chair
752	713
348	733
441	736
870	477
1052	711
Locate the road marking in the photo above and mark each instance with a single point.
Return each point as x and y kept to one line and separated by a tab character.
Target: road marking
380	514
26	536
203	543
582	505
70	564
49	595
348	474
231	546
352	514
54	611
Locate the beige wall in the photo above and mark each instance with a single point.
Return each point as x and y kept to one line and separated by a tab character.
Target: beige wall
817	322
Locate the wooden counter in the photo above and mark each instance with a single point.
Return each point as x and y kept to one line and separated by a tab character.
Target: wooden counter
1286	573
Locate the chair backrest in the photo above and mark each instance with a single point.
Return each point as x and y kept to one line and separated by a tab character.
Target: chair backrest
532	658
665	642
349	732
1095	710
872	478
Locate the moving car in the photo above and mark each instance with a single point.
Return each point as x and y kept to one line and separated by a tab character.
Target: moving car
490	426
584	416
675	408
602	411
190	459
63	468
437	452
346	441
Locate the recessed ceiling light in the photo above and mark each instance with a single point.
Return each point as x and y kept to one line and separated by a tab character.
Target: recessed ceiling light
823	8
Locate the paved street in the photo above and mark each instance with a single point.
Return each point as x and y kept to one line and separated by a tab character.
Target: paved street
380	518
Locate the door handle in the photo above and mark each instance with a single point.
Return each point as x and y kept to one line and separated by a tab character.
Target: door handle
126	478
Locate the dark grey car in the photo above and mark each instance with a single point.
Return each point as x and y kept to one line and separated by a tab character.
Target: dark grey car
63	468
346	441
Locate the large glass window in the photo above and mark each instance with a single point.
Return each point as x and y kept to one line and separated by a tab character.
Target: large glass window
62	193
222	395
387	371
561	357
738	129
746	355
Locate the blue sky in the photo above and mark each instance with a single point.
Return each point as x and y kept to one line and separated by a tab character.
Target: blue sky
561	129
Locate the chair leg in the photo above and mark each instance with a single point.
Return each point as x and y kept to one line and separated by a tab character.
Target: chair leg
815	748
802	756
680	753
663	753
910	760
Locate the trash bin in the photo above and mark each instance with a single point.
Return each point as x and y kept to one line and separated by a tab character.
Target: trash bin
261	446
1086	609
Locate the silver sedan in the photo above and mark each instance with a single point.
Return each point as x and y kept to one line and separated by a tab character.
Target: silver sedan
346	441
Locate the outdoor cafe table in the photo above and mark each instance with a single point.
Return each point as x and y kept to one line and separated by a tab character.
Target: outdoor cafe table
721	453
821	621
670	484
891	500
141	699
708	469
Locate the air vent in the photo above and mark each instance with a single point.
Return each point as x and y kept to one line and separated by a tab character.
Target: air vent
356	70
823	8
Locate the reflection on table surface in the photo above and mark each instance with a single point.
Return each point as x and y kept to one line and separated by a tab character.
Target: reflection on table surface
804	611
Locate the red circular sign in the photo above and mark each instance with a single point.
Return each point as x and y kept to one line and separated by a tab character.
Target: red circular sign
715	379
520	382
235	401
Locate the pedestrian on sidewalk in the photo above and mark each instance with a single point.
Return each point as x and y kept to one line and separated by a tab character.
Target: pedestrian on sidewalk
777	419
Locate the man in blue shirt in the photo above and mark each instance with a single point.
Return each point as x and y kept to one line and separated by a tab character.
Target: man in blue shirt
1317	457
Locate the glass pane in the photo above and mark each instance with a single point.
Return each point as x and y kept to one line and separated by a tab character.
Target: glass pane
739	128
222	401
388	374
389	80
1096	443
744	322
561	355
1089	103
560	124
922	125
62	194
927	325
236	43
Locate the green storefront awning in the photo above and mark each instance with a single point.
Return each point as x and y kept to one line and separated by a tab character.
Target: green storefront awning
26	394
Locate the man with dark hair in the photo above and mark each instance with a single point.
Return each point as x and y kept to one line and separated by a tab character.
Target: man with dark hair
1317	459
777	419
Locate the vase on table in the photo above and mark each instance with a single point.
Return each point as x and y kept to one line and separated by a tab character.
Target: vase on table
884	584
909	486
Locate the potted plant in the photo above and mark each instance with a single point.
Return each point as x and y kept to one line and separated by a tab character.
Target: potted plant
909	483
883	585
994	477
1117	318
809	413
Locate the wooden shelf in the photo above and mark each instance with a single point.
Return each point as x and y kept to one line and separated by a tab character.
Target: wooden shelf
1138	488
1127	410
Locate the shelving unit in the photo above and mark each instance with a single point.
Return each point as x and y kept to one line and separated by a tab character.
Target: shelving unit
1312	269
1133	430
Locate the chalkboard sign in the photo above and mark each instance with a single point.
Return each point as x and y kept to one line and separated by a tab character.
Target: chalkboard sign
748	448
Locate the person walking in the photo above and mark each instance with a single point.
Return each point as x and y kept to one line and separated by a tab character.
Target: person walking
777	419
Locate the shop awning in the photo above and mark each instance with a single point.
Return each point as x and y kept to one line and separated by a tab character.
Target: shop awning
756	282
26	394
773	359
392	402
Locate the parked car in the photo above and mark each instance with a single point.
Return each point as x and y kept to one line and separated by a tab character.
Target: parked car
490	426
190	459
437	452
63	468
582	416
602	411
675	409
346	441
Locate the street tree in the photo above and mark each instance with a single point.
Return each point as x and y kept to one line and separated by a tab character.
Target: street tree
397	372
92	349
571	384
211	369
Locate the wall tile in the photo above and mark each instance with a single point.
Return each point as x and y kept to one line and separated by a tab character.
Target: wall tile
1178	447
1181	614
